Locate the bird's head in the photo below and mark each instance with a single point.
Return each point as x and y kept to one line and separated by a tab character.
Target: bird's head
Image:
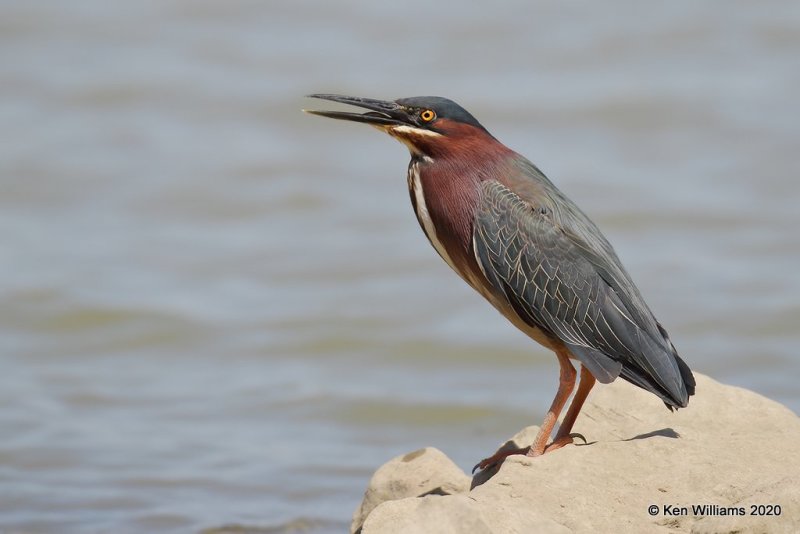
428	125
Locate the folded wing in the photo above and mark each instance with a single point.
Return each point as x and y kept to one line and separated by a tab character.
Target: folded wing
575	290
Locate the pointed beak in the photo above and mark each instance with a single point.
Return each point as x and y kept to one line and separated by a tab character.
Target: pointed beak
381	112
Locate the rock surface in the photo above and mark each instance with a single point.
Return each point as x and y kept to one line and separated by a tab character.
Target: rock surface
731	449
424	472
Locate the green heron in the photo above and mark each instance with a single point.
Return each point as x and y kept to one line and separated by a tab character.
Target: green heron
513	236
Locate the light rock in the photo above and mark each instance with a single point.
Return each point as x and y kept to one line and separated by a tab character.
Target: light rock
416	474
730	449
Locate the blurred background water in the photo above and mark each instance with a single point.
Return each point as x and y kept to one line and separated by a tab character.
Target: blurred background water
217	311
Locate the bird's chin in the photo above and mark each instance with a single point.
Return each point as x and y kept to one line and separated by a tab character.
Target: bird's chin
404	132
414	138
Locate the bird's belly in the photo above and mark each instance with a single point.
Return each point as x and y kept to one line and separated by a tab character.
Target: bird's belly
537	334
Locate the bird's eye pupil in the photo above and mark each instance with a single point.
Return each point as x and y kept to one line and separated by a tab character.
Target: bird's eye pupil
427	115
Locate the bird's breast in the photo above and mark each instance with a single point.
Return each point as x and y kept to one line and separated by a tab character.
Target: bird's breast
445	211
420	204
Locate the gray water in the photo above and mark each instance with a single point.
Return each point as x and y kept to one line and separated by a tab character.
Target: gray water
218	311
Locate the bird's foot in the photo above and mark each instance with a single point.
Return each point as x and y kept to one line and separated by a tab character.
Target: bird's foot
498	457
561	442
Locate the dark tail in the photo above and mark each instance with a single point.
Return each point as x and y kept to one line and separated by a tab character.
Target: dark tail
679	386
686	377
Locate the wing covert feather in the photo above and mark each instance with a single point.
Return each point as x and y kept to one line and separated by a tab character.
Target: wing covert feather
559	284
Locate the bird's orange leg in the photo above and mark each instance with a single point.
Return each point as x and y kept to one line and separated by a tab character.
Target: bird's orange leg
565	385
563	436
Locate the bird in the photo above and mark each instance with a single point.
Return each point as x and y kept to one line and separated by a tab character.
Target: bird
520	242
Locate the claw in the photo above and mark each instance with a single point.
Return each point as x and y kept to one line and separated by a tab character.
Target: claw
578	435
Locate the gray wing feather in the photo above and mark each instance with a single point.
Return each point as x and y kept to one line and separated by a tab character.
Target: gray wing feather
561	284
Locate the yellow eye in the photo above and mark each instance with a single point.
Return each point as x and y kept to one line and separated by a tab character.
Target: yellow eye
427	115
